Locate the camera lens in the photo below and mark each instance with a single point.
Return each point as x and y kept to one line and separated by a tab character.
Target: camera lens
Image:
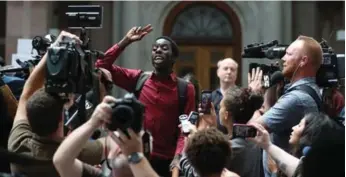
122	117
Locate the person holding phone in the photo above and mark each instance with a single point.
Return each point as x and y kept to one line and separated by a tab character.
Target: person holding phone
236	109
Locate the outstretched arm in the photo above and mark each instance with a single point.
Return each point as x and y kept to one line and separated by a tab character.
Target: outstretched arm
65	158
286	162
123	77
37	77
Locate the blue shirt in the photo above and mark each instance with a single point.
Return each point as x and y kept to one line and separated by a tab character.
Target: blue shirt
287	112
16	84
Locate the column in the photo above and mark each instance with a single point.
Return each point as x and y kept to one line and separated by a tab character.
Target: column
24	19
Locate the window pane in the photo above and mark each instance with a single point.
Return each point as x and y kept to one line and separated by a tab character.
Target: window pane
214	80
215	56
187	56
202	21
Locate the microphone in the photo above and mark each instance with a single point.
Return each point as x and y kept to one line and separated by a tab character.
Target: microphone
276	78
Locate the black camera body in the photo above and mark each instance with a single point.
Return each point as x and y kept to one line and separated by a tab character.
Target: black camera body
328	73
127	113
41	44
68	69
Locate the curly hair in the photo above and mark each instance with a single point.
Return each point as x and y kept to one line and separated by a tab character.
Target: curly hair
209	151
44	112
241	103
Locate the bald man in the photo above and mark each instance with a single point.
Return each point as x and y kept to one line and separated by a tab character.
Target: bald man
227	70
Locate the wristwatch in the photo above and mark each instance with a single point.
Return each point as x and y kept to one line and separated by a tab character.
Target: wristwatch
135	157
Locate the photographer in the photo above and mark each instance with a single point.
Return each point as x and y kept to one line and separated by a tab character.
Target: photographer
160	93
65	157
38	125
300	65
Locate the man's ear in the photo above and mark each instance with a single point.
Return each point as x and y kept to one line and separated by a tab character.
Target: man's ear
218	72
304	61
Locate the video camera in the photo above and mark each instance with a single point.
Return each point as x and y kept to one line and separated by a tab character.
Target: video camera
270	50
327	75
70	66
40	44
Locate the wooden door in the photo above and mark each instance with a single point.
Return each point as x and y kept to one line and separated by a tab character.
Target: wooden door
202	62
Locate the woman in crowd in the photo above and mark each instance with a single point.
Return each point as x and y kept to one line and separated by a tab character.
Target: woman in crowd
306	133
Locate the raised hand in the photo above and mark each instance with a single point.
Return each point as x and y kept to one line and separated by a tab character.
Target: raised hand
63	35
262	138
137	33
128	144
210	119
255	80
102	113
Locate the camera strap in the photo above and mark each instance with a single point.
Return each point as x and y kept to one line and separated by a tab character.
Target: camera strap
310	91
182	93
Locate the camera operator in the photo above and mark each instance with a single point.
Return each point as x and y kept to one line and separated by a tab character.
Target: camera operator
38	125
65	157
159	94
300	65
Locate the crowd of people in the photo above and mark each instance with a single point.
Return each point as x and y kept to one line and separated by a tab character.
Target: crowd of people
294	136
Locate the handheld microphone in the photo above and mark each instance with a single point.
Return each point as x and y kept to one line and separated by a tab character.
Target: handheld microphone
276	78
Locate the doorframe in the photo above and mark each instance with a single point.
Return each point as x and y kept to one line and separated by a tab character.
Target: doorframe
235	42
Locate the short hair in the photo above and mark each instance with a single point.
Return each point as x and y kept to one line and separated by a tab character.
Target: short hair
208	151
241	103
220	61
313	50
44	112
175	49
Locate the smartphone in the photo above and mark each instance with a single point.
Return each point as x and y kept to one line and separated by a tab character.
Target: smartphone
244	131
206	101
193	117
184	121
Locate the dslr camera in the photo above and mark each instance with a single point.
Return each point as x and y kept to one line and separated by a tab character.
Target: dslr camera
127	113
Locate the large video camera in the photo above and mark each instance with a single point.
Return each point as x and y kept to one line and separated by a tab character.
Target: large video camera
327	75
70	66
40	44
261	50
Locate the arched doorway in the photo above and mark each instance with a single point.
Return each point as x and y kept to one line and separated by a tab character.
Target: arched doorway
205	32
